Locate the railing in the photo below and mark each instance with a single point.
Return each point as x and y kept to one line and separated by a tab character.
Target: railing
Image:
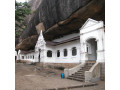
71	71
93	74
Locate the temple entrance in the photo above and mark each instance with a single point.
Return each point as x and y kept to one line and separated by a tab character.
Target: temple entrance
15	58
92	49
39	55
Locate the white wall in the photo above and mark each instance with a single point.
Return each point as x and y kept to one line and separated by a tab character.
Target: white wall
62	59
30	55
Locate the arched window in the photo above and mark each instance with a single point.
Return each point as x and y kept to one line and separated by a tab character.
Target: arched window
89	51
74	51
49	53
58	53
65	52
22	57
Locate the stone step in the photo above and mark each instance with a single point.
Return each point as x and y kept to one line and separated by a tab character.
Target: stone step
87	69
77	73
69	77
82	76
77	76
88	66
77	79
89	63
82	67
81	71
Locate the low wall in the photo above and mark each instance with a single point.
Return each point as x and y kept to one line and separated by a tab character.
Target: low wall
53	65
93	74
23	61
102	71
50	65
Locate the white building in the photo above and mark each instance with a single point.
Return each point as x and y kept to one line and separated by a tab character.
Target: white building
88	44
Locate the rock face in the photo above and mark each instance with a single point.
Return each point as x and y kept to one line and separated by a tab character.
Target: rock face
94	9
28	43
34	4
61	17
51	12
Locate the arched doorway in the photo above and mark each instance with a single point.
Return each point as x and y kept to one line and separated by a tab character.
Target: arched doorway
92	49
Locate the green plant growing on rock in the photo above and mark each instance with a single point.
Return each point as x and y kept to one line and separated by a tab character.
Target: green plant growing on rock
21	10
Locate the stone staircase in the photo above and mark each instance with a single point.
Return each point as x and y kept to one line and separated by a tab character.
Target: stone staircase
79	75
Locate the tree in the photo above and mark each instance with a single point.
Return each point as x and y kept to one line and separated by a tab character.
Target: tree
21	10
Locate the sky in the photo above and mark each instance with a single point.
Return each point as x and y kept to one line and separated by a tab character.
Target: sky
21	0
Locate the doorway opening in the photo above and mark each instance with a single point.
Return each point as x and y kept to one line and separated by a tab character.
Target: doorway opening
92	49
39	55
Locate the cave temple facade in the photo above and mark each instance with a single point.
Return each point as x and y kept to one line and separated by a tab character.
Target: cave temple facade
87	45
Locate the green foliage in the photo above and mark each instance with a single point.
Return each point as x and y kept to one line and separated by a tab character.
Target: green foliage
21	10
